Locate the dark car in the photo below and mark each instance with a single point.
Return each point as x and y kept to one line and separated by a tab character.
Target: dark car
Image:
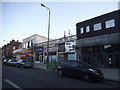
80	70
24	63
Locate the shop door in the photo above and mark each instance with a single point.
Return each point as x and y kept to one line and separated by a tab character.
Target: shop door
41	58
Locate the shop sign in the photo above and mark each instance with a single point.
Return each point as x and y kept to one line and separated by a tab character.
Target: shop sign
99	40
51	49
39	49
69	46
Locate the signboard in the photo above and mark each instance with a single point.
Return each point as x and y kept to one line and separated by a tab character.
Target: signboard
69	46
99	40
51	49
39	49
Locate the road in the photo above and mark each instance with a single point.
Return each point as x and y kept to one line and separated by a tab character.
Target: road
22	78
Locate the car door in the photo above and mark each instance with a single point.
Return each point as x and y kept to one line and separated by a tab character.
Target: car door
66	68
77	69
73	69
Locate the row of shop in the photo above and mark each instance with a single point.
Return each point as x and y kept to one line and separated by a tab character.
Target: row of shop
57	54
96	42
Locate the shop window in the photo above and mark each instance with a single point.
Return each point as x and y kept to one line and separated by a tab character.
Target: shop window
71	56
54	57
110	23
117	60
100	61
61	57
97	26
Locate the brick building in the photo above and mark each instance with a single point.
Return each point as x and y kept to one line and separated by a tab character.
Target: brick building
10	47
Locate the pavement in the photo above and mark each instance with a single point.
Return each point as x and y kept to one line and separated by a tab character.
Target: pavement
39	66
109	74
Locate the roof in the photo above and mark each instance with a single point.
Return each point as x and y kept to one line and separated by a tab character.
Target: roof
35	35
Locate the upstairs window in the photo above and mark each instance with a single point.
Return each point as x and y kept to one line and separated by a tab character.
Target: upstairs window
82	30
87	28
110	23
97	26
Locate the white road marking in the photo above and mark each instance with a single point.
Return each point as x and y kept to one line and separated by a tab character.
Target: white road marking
13	84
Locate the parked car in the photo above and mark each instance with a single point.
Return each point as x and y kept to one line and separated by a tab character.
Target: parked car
5	61
12	62
8	62
80	70
24	63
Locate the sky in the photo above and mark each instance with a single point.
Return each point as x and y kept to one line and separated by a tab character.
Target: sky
19	20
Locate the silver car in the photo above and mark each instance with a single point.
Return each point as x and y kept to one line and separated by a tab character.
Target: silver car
24	63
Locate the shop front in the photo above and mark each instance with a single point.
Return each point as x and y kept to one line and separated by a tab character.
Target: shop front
53	57
23	54
39	55
100	51
66	51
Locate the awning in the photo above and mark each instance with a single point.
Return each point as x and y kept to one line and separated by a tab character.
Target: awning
17	51
22	51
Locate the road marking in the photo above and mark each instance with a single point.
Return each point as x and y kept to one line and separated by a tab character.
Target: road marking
13	84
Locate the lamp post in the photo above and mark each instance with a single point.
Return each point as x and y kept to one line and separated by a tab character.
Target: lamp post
48	32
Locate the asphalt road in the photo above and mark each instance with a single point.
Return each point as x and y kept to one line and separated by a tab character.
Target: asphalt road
13	77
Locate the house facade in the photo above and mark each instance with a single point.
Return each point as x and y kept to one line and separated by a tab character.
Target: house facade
98	40
7	50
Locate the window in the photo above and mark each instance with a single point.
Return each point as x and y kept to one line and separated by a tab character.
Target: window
81	30
97	26
13	48
31	43
71	56
24	45
87	28
110	23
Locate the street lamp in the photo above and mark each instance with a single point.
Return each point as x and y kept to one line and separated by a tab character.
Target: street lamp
48	31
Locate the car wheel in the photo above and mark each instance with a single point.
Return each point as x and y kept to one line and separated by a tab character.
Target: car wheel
60	73
22	66
86	77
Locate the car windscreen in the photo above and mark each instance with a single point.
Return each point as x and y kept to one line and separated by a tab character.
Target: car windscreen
84	64
24	61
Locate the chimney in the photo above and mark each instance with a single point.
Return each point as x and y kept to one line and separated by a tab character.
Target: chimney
64	34
69	33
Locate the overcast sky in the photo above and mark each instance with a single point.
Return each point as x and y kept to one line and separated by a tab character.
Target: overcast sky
23	19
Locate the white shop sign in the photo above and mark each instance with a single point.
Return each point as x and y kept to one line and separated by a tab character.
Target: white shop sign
69	46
